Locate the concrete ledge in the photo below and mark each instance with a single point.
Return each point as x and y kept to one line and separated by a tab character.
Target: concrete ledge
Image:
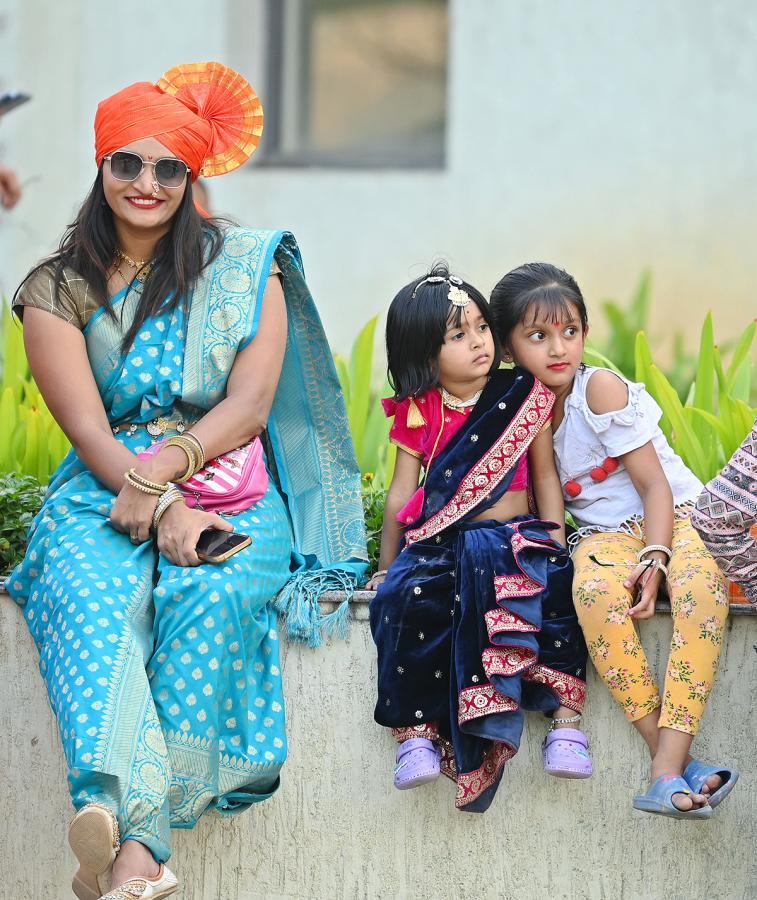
338	829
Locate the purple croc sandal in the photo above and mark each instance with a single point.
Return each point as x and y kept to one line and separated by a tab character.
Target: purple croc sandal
417	763
566	754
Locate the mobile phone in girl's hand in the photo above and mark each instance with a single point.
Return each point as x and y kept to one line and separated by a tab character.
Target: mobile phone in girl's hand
215	546
11	101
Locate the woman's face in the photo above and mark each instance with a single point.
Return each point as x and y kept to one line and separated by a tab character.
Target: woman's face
143	204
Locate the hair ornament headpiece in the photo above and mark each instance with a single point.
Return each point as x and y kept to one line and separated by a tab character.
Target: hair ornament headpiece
456	295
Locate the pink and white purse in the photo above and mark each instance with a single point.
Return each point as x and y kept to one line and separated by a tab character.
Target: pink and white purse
229	484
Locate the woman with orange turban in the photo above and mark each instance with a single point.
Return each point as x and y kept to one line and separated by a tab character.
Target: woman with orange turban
163	341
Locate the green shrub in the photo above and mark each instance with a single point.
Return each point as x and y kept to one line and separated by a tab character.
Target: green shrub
623	324
20	500
716	415
374	498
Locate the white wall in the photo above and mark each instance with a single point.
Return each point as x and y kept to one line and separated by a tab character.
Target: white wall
605	137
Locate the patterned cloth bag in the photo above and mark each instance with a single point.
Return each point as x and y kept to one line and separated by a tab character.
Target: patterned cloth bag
229	484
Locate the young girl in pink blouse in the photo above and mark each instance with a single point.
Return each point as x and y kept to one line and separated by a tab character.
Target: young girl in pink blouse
473	619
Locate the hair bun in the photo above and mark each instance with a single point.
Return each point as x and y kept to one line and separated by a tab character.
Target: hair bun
227	102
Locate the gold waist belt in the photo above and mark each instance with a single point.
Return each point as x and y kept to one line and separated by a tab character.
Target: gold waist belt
155	427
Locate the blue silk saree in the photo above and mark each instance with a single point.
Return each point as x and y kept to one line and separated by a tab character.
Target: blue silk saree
165	680
475	620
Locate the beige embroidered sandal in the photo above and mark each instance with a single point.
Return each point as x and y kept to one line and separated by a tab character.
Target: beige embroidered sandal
141	888
93	836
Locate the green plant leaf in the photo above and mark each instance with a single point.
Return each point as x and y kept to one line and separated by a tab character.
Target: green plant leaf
8	425
639	310
592	357
344	376
361	372
644	365
685	442
741	350
704	385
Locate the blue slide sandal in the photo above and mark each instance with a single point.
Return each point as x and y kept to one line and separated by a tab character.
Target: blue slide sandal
697	771
659	799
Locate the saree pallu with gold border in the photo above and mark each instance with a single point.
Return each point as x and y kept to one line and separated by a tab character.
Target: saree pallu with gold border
165	680
475	620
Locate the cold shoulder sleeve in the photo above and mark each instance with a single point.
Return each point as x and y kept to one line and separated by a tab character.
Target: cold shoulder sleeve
623	430
407	438
73	302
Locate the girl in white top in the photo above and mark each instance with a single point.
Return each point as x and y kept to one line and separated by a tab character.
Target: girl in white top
631	497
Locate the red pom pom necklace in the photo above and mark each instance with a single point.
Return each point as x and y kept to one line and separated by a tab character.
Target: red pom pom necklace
599	473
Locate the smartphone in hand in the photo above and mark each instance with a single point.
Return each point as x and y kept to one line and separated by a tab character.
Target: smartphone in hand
215	546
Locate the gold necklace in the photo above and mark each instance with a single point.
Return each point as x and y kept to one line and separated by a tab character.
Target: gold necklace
136	263
142	266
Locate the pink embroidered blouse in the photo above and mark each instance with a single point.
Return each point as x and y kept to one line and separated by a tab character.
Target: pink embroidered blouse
436	432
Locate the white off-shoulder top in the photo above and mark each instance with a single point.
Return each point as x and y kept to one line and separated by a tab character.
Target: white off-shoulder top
584	440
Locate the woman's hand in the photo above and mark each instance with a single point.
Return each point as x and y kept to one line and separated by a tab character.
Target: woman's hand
376	580
180	529
646	579
132	513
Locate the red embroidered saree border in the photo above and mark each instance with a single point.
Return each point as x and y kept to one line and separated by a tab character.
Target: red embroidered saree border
489	471
470	785
568	689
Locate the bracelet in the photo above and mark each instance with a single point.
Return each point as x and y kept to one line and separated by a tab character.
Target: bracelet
142	484
656	564
380	572
194	461
652	547
172	495
201	450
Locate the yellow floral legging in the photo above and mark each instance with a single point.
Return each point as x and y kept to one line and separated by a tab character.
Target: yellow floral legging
699	603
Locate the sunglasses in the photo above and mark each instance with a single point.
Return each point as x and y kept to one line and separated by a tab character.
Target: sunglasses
127	166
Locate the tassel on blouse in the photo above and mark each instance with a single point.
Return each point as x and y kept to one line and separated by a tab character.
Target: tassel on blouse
414	415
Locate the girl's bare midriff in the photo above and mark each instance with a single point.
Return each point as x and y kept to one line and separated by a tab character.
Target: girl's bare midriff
512	504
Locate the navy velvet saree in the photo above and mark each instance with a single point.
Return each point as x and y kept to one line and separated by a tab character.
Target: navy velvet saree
475	621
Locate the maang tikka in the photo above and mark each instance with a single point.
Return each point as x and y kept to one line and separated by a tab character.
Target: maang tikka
456	295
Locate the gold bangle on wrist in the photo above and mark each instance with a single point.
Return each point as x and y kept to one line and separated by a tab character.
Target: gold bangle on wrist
133	478
188	435
194	460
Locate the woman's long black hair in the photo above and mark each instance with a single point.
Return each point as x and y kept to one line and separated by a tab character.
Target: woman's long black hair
416	326
90	247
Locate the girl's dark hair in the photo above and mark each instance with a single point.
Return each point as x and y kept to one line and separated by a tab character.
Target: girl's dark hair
415	330
89	247
534	291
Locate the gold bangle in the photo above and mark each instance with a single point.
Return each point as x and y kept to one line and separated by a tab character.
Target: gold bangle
151	487
193	457
145	482
201	450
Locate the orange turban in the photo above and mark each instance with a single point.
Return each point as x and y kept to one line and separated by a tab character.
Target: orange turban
205	113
